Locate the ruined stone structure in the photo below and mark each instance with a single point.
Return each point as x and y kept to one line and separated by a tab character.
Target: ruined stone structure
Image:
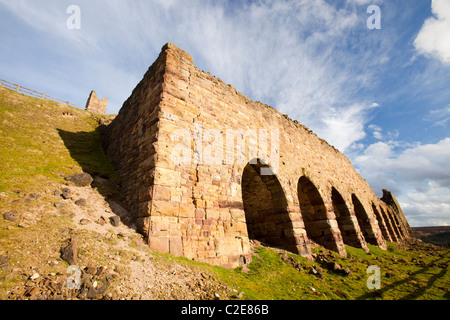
205	169
96	105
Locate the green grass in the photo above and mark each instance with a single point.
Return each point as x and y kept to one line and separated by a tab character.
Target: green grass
42	141
269	277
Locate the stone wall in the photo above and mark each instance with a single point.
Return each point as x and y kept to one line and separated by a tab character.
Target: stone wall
96	105
205	169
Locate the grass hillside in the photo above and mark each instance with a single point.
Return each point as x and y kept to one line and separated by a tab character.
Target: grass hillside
41	215
435	235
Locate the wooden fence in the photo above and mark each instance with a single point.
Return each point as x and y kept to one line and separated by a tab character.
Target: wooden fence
29	92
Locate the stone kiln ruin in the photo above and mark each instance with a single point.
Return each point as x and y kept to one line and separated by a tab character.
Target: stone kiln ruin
96	105
205	169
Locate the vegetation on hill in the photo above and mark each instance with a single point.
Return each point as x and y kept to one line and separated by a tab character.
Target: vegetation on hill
435	235
41	142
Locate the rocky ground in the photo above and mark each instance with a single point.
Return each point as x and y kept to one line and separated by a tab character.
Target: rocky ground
107	258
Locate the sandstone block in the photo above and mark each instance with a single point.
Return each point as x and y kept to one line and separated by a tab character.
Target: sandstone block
165	208
176	246
187	210
159	244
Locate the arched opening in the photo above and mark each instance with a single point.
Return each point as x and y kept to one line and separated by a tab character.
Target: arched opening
389	225
381	223
364	221
314	214
344	220
397	227
265	207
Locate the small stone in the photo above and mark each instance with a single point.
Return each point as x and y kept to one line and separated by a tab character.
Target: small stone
18	291
84	222
81	202
80	179
23	225
115	220
346	272
70	252
138	242
83	294
57	192
33	291
101	221
92	293
4	259
66	193
34	276
60	204
101	290
91	270
11	216
335	267
100	270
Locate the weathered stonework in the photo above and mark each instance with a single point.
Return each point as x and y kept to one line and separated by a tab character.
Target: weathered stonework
193	192
96	105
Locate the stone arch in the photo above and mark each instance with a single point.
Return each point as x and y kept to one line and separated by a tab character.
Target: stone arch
381	222
314	213
266	208
350	232
397	227
389	225
364	221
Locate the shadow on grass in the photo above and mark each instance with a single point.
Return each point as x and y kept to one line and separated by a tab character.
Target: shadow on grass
416	294
86	149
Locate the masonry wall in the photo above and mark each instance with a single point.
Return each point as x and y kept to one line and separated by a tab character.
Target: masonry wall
193	192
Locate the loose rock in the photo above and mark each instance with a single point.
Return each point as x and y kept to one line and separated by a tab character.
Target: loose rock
70	252
66	193
84	222
80	179
115	220
101	221
81	202
11	216
59	204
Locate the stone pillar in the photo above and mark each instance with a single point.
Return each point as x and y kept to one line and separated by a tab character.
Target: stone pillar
398	215
96	105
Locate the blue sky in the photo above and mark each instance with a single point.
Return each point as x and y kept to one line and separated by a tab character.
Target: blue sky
381	96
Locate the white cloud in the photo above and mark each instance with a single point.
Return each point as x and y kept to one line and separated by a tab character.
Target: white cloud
439	117
376	131
289	54
433	38
417	174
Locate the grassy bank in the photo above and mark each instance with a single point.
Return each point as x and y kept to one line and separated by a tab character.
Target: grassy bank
41	142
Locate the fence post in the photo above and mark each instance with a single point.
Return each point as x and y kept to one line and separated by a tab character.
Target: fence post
17	88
